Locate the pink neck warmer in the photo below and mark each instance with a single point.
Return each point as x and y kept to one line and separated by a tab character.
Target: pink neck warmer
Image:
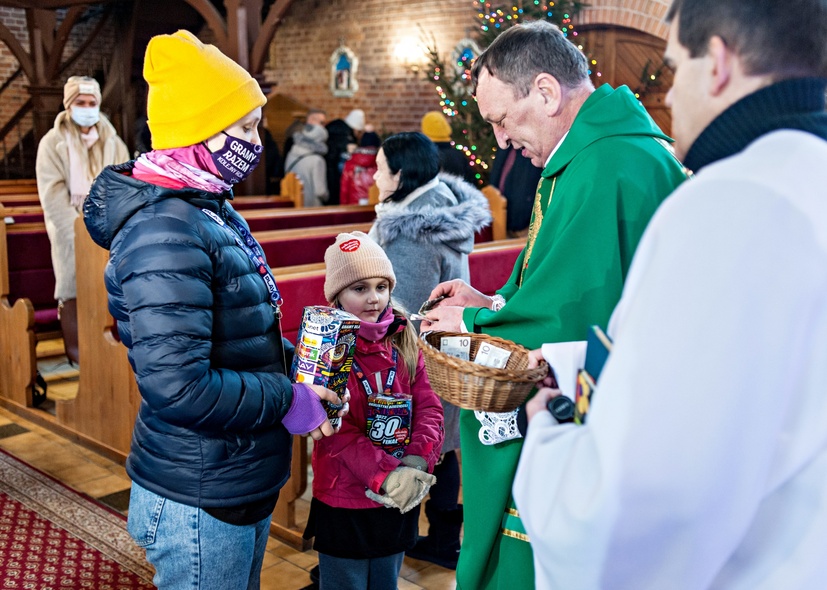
191	166
374	332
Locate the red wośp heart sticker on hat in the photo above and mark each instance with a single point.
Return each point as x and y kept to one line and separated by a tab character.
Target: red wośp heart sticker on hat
350	245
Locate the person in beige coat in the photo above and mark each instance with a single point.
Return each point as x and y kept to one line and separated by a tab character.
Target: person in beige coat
69	157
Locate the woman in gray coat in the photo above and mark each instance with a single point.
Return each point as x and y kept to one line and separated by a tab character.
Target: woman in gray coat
306	160
425	222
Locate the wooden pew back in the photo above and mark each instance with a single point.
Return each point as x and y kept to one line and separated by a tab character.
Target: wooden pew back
263	220
18	200
244	203
290	247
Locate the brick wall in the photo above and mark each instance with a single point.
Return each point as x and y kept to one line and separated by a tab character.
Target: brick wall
642	15
393	99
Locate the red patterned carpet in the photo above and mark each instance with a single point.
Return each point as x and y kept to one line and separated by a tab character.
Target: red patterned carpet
52	538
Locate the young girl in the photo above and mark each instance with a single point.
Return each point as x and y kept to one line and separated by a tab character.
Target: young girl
370	477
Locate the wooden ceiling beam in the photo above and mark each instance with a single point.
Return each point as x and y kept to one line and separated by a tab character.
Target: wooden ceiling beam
48	4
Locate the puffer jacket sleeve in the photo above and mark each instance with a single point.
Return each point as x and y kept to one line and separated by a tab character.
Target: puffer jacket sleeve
428	431
165	273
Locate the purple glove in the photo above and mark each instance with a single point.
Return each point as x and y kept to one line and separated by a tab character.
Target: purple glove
306	412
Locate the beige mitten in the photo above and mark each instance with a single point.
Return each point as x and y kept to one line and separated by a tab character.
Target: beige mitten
407	486
382	499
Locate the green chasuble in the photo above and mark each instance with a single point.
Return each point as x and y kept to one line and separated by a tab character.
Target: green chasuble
595	197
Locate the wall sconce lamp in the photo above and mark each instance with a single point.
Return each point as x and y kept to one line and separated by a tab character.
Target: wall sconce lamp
410	54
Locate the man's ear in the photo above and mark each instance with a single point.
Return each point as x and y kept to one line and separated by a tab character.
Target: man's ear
551	92
722	64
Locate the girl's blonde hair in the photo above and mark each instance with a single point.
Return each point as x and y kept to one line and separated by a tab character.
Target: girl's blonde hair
405	342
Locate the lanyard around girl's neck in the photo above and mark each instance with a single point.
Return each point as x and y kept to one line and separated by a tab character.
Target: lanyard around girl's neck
251	248
360	374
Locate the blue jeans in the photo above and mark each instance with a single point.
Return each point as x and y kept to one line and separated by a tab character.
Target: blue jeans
378	573
190	549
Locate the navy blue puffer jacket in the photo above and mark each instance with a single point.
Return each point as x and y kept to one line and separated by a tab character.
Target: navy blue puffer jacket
203	342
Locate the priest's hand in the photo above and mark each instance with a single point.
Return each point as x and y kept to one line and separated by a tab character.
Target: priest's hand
443	319
459	293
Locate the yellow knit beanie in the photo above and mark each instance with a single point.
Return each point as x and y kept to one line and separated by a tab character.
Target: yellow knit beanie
354	257
436	127
195	91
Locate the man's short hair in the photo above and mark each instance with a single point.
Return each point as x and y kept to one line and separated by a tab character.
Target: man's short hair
518	55
783	40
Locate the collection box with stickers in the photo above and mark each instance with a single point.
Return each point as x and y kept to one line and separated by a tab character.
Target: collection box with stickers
324	351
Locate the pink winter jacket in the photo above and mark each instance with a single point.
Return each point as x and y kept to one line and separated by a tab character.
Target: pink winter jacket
347	463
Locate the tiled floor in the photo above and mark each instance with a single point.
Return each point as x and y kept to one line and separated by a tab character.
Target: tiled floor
284	567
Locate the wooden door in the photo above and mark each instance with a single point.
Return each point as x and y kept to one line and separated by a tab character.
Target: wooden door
630	57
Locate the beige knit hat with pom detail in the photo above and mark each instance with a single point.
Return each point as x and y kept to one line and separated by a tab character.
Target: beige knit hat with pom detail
354	257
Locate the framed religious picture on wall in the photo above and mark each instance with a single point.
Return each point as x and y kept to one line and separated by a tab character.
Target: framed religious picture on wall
343	67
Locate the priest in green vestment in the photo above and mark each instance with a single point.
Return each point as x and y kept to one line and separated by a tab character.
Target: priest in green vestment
606	168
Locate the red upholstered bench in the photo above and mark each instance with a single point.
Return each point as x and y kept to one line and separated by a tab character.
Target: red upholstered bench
31	275
24	218
20	200
242	203
486	234
300	250
491	265
276	219
298	290
291	247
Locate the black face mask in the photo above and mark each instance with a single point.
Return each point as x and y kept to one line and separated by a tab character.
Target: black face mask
237	158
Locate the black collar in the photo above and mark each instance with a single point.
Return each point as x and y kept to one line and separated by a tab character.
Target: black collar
791	104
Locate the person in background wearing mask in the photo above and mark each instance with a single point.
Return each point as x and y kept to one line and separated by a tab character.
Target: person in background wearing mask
69	157
197	307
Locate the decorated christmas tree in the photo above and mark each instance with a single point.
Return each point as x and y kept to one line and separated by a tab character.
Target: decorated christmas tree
471	134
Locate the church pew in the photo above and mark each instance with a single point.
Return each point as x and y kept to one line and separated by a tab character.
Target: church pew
243	203
19	200
22	214
18	186
28	311
497	203
293	189
289	247
262	220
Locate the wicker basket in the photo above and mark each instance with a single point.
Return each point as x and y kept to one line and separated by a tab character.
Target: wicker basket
476	387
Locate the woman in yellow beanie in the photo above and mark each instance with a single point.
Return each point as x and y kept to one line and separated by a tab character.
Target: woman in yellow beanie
435	126
69	157
197	307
